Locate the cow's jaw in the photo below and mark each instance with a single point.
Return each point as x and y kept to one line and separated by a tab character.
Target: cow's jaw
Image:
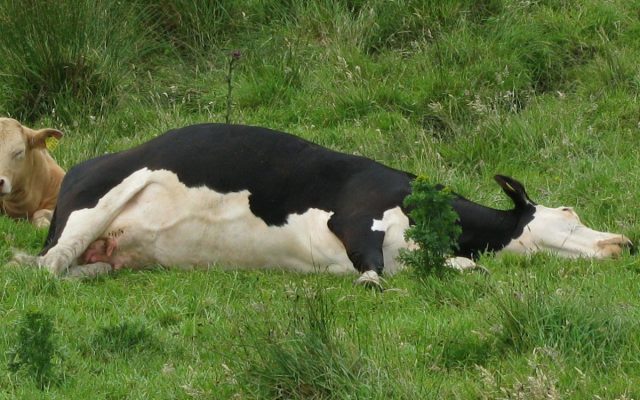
560	231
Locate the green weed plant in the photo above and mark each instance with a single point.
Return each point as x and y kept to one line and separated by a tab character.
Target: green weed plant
36	350
433	230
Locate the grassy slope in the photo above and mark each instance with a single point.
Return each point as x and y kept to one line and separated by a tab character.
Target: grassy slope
546	91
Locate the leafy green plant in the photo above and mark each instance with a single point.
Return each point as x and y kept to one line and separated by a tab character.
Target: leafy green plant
36	349
434	227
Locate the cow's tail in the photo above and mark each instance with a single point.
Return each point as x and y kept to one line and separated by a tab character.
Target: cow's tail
49	242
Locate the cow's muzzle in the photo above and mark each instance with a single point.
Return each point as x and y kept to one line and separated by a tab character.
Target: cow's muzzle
5	185
614	246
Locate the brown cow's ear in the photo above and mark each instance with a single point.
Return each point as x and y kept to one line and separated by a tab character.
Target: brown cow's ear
38	139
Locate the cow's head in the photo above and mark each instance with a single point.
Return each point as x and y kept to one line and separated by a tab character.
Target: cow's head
557	230
17	146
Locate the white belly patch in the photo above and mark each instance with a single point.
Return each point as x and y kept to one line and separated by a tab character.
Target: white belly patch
170	224
394	223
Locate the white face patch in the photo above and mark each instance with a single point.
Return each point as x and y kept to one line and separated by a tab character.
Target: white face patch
394	223
560	231
12	153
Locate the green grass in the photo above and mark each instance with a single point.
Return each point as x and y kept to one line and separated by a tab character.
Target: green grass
545	91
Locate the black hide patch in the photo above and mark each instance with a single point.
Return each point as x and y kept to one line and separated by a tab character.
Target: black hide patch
487	229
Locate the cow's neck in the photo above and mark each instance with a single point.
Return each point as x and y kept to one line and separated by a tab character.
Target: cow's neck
36	190
487	229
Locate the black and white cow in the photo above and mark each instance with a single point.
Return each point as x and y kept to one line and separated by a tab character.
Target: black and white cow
245	196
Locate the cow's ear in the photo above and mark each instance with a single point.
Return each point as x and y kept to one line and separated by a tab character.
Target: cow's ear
515	190
38	139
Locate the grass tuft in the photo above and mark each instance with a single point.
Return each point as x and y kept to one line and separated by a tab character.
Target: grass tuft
592	332
303	358
56	60
125	337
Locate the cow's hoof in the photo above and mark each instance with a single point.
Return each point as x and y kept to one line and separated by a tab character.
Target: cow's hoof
369	279
41	223
42	218
58	262
463	264
88	270
22	259
12	264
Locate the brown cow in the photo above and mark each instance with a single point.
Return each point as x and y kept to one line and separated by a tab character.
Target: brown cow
29	178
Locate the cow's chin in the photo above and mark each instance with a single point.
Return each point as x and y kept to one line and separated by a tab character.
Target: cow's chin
581	243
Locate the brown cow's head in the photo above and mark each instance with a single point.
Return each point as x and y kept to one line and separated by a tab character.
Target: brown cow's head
17	146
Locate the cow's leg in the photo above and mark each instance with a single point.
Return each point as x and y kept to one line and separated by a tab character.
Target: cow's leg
85	226
74	271
363	246
41	218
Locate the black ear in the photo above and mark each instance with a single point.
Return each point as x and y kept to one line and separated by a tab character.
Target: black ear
515	190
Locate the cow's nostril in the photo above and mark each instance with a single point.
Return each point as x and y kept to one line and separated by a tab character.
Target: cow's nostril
1	182
626	243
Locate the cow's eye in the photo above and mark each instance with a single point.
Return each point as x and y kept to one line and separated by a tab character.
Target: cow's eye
17	154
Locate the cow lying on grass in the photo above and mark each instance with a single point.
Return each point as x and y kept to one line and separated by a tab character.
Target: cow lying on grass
252	197
29	178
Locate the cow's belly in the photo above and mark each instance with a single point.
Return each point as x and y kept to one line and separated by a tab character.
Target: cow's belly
170	224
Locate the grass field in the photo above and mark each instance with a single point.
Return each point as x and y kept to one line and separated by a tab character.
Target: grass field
545	91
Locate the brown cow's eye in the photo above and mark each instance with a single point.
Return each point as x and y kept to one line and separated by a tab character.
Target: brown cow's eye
17	154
